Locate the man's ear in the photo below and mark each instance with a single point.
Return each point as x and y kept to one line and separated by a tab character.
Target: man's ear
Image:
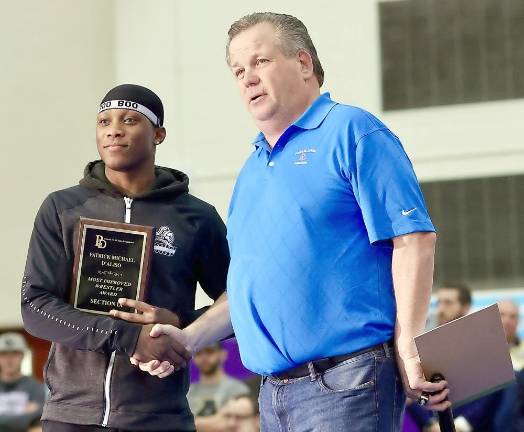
306	64
160	135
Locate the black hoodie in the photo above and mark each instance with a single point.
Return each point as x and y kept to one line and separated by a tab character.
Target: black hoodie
90	378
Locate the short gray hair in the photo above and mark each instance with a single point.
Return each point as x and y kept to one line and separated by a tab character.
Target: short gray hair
290	31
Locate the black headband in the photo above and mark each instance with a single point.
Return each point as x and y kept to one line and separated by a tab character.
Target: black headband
136	98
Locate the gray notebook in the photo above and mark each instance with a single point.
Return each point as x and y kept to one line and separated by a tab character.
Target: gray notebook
471	352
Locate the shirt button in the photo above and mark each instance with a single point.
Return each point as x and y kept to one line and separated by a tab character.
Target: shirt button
271	164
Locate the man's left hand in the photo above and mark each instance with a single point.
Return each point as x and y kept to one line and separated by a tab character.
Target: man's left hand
149	314
415	383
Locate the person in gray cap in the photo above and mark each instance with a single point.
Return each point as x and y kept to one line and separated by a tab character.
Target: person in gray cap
21	397
92	383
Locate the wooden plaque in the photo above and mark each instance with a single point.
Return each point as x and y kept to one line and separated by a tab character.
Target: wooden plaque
112	260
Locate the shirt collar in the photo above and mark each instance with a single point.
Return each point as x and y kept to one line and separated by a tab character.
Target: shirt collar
316	113
311	119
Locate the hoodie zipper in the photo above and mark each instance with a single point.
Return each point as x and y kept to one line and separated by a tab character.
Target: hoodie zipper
127	216
109	372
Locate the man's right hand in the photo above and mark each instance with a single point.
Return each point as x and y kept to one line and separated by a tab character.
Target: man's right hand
178	338
160	347
209	328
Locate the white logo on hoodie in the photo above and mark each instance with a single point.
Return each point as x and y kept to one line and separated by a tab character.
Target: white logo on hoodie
164	241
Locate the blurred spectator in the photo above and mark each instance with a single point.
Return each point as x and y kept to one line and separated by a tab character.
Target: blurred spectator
253	383
519	414
21	397
476	416
454	301
507	416
241	415
509	313
213	390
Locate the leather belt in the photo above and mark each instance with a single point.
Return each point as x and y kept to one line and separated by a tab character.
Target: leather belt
324	364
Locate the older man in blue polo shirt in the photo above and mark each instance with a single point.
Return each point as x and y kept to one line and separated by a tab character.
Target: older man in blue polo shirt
331	248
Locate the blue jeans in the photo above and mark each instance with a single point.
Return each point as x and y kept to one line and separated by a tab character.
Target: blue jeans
362	394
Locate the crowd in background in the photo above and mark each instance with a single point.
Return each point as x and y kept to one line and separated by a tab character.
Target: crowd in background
218	401
223	403
21	397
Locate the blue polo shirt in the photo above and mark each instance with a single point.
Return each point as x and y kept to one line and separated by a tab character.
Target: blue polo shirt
309	229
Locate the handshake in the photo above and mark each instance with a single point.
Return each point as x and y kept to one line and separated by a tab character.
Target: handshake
162	348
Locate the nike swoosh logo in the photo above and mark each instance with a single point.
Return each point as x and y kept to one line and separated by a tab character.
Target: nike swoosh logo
406	213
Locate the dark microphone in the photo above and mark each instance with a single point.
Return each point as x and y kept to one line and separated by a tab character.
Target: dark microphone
445	418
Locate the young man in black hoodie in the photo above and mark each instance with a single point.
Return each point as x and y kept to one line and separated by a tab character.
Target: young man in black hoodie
91	380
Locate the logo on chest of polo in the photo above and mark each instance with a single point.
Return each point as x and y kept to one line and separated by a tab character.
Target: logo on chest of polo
303	156
164	241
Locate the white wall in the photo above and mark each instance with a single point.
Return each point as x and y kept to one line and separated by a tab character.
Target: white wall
177	48
57	58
